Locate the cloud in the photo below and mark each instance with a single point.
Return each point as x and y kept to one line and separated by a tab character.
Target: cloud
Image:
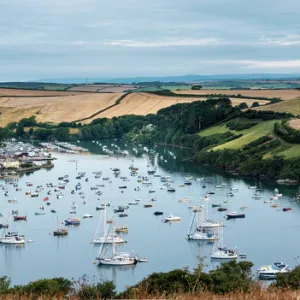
48	38
164	43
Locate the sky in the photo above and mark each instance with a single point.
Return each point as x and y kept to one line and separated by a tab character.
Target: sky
42	39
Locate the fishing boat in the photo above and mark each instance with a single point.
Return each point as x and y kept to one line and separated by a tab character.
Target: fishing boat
72	221
220	251
235	215
170	189
116	259
270	271
148	205
275	205
172	218
216	205
133	203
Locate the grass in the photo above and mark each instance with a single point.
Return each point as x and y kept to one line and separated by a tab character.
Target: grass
249	135
289	106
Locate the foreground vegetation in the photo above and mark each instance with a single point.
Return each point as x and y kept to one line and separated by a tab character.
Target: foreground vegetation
232	280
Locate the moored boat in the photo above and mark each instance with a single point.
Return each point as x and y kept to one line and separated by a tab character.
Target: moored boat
235	215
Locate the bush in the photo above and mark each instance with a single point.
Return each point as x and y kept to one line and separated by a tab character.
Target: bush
50	287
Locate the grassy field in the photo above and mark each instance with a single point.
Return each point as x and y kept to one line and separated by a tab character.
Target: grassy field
290	106
249	135
283	94
263	128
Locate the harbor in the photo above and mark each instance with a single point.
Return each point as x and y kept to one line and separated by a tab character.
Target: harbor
147	202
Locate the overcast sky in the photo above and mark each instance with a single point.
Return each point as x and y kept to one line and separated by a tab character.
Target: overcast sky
124	38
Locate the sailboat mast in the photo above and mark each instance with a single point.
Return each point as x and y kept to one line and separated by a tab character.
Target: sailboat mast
104	218
113	240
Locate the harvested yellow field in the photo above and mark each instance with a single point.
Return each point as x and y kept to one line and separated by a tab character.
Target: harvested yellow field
283	94
144	103
54	109
34	93
295	124
289	106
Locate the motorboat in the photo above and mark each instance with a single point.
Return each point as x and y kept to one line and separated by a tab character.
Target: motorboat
172	190
148	205
13	238
235	215
72	221
87	216
172	218
270	271
286	209
224	253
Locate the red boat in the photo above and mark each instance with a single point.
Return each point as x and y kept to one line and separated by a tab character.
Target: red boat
46	199
20	218
286	209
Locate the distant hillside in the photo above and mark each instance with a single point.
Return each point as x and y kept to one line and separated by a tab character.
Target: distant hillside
184	78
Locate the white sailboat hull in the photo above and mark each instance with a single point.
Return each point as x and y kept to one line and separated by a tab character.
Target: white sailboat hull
109	240
224	255
12	241
118	260
202	237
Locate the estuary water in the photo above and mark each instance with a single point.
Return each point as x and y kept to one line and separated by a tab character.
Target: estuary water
266	235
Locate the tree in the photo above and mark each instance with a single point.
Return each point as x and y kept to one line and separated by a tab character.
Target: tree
243	105
20	130
255	104
196	87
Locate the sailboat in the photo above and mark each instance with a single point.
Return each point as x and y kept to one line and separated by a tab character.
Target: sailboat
60	231
107	238
116	259
12	238
205	222
221	252
203	234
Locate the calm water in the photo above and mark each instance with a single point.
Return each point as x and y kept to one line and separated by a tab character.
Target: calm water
266	234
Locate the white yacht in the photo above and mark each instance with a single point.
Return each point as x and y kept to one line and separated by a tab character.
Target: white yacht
270	271
13	238
172	218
